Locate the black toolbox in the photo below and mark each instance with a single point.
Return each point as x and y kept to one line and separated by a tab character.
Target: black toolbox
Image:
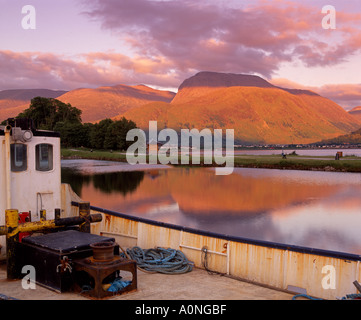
52	256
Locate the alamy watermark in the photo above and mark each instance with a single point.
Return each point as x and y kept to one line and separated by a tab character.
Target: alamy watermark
29	20
191	144
28	282
329	280
329	20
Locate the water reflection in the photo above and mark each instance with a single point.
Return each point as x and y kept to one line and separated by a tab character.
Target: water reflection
106	183
313	209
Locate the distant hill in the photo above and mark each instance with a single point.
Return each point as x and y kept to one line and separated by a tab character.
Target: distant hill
258	111
353	138
107	102
14	101
96	104
356	112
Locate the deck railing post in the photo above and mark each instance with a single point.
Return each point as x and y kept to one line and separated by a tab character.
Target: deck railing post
42	215
57	213
12	237
84	212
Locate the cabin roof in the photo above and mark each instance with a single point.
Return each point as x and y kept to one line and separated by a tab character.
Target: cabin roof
44	133
27	124
39	133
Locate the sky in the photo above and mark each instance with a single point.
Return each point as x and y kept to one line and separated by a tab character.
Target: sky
76	43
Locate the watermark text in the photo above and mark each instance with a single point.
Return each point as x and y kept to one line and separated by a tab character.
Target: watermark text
191	144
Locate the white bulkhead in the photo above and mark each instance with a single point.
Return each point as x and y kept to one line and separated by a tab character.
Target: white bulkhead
30	170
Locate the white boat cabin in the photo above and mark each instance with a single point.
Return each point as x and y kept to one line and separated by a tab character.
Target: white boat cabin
30	170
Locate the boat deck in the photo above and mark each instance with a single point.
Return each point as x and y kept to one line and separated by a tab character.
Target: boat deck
194	285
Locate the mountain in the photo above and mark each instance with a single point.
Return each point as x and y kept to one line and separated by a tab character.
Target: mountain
353	138
96	104
107	102
205	81
258	111
14	101
356	112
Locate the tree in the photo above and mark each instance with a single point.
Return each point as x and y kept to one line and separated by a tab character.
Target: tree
52	114
109	134
73	134
115	137
97	133
46	112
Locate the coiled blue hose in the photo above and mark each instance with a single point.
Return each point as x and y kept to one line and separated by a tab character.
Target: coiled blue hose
168	261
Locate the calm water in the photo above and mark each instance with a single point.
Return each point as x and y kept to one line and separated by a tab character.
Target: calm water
312	209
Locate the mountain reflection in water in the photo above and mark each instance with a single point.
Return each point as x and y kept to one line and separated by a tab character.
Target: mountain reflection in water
305	208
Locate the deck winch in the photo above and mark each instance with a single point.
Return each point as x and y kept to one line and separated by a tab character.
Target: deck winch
62	256
13	229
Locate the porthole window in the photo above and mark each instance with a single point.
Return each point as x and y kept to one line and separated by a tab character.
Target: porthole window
18	157
44	157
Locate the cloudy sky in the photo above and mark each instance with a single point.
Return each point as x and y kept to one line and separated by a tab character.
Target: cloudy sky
78	43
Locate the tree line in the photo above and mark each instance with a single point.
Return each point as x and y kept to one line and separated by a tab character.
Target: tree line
353	138
52	114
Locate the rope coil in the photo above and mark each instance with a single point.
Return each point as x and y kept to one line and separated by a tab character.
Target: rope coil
168	261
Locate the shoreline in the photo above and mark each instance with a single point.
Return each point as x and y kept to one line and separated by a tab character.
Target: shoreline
352	165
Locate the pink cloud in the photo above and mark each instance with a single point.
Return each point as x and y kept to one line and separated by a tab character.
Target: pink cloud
40	70
346	95
170	41
35	69
253	39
